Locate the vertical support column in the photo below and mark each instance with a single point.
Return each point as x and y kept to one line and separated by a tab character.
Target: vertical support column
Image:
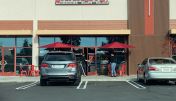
35	49
35	53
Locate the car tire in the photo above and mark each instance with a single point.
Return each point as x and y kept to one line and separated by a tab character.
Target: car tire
43	82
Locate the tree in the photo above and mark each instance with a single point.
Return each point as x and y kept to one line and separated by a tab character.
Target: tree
27	50
71	40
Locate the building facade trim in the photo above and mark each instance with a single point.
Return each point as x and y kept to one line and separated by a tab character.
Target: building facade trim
84	32
16	24
173	31
82	25
15	32
172	24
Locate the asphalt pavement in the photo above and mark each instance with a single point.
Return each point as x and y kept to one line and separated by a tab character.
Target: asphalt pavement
83	78
88	91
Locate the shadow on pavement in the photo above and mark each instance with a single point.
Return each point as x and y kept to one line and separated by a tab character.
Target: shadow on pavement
157	83
58	84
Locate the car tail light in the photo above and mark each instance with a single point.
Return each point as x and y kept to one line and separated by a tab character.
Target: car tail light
44	65
72	65
153	69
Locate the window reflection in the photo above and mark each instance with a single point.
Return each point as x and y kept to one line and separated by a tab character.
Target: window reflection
24	42
7	42
102	41
24	51
45	40
24	63
88	41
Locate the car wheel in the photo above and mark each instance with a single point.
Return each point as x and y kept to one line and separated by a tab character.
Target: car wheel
43	82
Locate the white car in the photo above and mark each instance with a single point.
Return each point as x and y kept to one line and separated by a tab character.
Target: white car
157	68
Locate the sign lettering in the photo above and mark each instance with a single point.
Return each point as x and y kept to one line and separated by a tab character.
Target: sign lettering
81	2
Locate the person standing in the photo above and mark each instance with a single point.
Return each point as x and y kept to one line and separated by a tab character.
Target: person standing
113	65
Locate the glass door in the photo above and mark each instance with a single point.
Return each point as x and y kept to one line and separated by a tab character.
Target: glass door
91	61
7	61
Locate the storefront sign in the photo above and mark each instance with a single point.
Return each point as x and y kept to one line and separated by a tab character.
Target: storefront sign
82	2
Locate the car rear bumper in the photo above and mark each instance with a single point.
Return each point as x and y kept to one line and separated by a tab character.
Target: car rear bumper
162	76
59	77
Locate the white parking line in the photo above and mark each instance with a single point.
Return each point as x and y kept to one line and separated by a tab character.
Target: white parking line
79	85
83	87
136	85
27	86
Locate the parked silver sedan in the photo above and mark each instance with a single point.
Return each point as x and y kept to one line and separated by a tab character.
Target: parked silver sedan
157	68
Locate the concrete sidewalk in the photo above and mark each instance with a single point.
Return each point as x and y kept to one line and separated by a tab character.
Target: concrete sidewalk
84	78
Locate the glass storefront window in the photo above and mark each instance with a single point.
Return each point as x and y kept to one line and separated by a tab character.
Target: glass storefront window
23	47
24	42
24	63
24	51
7	42
101	41
88	41
99	57
63	39
45	40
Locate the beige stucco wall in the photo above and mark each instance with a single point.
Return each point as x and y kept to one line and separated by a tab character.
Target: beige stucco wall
47	10
16	9
172	9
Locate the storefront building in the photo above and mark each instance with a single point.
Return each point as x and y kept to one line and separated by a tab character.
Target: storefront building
25	25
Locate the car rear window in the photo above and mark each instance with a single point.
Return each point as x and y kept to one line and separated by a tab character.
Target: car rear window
59	57
161	61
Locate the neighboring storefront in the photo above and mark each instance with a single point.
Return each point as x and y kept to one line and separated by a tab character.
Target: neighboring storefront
15	51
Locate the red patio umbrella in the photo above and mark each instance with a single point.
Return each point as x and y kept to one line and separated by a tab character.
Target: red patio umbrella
116	45
58	45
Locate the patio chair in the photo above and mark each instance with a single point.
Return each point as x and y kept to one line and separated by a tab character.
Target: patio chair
33	72
23	72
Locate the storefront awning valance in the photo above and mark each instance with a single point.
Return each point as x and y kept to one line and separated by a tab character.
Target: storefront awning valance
84	32
173	31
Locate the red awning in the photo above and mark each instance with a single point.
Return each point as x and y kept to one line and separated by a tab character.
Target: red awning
58	45
116	45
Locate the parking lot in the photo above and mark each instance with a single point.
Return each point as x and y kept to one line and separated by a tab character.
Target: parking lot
88	91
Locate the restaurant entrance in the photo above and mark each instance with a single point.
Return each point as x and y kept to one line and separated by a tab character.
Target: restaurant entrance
98	59
7	61
90	56
89	53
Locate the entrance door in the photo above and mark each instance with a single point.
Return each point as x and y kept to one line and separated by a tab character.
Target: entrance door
91	60
7	61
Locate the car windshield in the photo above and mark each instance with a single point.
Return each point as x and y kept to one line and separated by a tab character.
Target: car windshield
60	57
161	61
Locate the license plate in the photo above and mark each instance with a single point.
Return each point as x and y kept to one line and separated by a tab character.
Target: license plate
166	69
57	66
